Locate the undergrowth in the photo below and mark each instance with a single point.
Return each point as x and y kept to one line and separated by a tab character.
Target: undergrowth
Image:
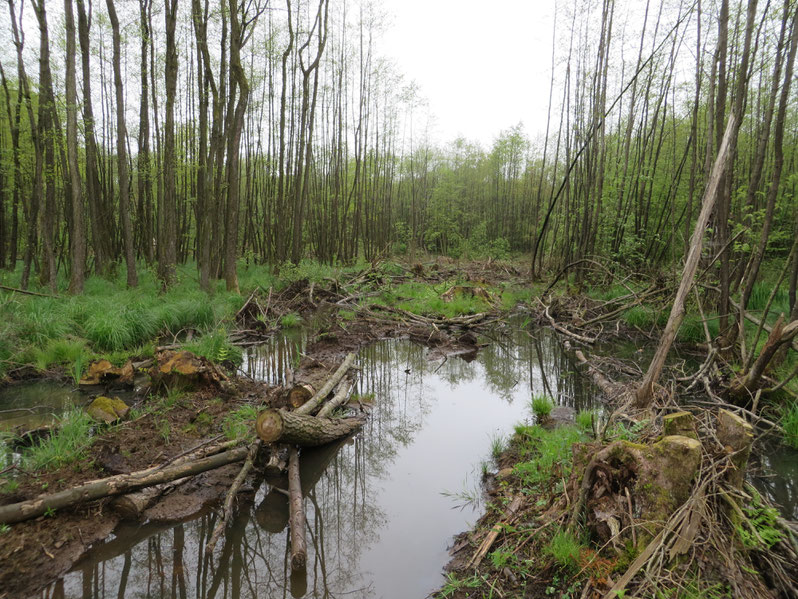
67	445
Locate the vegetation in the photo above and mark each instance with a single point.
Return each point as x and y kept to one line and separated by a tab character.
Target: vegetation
542	406
67	445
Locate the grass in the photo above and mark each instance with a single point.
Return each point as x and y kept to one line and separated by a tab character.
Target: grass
240	423
789	421
544	453
290	320
498	443
542	406
454	583
67	445
585	420
425	300
216	347
564	548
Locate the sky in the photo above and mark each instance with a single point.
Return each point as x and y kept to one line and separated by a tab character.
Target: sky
482	66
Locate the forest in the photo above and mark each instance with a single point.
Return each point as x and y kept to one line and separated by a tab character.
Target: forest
184	183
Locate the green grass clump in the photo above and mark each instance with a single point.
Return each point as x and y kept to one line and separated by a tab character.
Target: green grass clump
789	422
67	445
498	443
240	423
542	406
290	320
585	420
564	547
216	347
544	453
425	300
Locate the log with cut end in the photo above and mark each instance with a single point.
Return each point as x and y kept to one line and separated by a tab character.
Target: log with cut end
340	397
300	394
303	430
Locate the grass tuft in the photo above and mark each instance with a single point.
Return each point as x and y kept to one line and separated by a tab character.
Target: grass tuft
542	406
564	547
66	445
789	421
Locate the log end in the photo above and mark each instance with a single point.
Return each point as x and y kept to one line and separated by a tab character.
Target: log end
300	394
269	426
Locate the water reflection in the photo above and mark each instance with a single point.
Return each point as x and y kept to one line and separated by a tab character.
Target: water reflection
33	404
778	478
378	521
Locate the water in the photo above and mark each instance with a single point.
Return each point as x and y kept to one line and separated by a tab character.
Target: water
777	478
382	508
32	404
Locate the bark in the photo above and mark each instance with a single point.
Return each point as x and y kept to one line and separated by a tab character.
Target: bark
102	225
299	548
168	235
645	393
311	404
121	153
340	397
115	485
77	236
279	426
745	385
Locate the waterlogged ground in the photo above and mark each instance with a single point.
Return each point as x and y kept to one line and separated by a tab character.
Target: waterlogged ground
382	508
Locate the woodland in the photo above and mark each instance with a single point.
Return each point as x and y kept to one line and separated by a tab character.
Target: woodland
194	176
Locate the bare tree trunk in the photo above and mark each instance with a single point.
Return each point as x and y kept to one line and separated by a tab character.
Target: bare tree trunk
168	234
78	234
121	153
645	393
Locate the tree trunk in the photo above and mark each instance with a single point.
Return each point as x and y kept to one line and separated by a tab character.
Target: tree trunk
121	153
645	393
77	236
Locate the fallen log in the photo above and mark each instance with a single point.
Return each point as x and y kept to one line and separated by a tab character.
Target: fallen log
301	429
227	510
115	485
311	404
340	397
299	548
272	514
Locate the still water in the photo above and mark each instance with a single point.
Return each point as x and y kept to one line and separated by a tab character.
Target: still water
382	508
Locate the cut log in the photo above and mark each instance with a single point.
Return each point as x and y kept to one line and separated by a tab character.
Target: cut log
340	397
309	406
114	485
299	549
300	394
679	423
303	430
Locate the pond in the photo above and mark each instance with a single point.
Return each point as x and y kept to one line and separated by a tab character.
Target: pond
382	508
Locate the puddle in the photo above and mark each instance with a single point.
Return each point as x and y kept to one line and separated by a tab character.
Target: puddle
33	404
777	478
382	508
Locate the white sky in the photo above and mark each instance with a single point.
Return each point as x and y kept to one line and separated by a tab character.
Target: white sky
482	66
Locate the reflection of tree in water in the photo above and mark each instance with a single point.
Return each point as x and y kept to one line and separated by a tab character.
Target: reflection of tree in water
342	486
781	482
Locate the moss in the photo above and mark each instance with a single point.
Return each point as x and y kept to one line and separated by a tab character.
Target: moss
107	409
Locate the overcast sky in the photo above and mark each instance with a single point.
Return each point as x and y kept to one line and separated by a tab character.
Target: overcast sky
483	66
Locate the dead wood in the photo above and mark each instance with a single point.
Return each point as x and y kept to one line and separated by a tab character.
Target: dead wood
299	549
311	404
645	392
340	397
301	429
507	518
227	509
115	485
561	329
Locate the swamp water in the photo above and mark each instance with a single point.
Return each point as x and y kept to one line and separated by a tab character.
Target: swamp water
382	508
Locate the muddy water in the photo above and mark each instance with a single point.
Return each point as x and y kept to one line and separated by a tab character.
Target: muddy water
32	404
382	508
777	477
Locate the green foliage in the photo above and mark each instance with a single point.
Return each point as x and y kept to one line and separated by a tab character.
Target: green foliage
216	347
761	529
622	432
425	300
585	420
290	320
454	583
544	453
498	443
240	424
789	422
564	548
68	444
542	406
